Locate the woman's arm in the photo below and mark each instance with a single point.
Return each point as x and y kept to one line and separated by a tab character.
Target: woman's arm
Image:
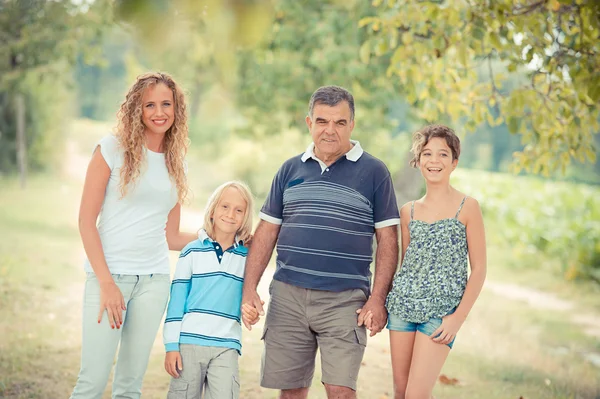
175	238
92	198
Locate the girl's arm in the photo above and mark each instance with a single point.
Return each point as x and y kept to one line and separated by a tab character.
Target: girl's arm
477	258
94	189
175	238
404	233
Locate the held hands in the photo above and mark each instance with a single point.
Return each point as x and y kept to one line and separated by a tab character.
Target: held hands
373	315
111	300
173	364
252	309
448	330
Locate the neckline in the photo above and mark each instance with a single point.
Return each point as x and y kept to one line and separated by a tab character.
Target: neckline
149	151
437	221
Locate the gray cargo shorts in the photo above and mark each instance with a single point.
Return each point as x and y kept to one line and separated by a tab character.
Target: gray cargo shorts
298	321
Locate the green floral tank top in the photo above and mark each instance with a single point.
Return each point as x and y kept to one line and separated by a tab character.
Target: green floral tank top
433	275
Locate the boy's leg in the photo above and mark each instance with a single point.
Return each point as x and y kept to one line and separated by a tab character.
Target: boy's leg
222	376
191	379
99	341
145	310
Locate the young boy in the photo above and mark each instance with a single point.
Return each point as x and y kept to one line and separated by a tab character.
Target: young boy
202	332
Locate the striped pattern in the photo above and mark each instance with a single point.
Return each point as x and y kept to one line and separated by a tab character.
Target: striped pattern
328	218
204	308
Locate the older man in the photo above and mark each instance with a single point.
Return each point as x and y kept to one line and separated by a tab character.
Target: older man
323	209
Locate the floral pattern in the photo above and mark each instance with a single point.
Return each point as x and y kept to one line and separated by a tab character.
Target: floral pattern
433	276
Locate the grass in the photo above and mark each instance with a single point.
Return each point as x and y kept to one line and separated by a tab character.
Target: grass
507	348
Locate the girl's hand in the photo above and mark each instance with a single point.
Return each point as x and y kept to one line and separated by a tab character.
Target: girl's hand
448	330
111	300
173	364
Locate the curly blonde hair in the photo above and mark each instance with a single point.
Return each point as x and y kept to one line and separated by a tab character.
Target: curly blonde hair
130	134
422	137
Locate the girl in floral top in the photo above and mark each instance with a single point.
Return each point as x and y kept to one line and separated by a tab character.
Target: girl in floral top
431	294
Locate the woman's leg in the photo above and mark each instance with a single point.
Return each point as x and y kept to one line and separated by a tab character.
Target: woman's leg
401	349
427	360
145	310
98	345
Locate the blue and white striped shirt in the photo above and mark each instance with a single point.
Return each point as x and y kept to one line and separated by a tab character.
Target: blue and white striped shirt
206	295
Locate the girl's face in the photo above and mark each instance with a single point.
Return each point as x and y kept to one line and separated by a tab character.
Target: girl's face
229	214
158	109
436	161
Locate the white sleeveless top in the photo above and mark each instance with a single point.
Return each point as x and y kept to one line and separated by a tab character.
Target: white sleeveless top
132	229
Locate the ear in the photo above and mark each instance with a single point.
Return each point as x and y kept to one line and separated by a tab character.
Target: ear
308	122
454	164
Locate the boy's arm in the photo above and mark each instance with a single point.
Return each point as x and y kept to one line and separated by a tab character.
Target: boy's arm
180	288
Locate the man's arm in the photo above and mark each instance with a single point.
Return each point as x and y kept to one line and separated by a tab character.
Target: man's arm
386	261
259	255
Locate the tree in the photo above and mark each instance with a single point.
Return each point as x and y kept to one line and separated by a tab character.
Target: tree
436	47
38	39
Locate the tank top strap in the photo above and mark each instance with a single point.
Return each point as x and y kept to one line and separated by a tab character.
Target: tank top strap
460	207
412	210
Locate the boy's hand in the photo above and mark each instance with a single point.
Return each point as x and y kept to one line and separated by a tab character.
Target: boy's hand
250	315
173	364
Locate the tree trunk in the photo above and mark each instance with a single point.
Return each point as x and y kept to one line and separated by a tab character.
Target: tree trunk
21	143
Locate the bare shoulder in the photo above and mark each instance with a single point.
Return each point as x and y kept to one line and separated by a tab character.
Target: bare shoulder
471	210
405	211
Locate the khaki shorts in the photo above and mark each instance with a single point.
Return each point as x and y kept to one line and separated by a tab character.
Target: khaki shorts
298	321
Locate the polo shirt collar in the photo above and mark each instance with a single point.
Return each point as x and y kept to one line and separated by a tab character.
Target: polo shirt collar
204	237
353	155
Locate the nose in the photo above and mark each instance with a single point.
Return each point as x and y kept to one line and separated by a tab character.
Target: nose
231	213
330	128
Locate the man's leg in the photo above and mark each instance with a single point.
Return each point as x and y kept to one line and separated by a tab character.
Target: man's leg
342	343
290	346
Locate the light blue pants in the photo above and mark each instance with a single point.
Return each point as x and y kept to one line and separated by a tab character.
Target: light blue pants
146	299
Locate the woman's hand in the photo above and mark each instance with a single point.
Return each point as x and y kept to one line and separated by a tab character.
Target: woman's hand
446	332
173	364
111	300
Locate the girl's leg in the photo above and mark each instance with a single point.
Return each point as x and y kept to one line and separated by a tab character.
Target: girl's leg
145	310
98	345
222	377
427	361
401	349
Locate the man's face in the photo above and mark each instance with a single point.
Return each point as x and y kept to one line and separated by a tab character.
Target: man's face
330	128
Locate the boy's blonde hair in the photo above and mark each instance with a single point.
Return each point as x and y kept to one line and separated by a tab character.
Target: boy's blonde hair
422	137
245	230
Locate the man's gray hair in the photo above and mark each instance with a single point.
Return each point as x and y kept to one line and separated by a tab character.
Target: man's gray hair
331	96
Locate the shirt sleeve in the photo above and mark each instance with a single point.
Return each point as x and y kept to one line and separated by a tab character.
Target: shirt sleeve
385	210
180	288
272	210
109	149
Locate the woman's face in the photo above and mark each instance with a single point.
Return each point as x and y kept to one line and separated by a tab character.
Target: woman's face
158	108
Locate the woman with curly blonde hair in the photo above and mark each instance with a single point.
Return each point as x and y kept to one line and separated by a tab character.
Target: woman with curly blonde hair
128	221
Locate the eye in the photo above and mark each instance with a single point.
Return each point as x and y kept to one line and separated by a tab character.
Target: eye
426	154
341	123
444	154
166	104
240	211
149	105
225	206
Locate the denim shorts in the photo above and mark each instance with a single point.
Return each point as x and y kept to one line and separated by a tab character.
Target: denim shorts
395	323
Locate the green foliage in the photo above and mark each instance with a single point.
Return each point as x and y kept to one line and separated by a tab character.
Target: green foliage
40	40
537	217
435	49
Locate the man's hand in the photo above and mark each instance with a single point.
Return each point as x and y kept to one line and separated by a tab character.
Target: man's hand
173	364
373	315
252	308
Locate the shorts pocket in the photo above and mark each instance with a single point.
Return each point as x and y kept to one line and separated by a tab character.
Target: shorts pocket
235	388
264	334
361	336
178	389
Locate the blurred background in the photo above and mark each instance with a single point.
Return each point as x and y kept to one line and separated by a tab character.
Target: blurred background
519	81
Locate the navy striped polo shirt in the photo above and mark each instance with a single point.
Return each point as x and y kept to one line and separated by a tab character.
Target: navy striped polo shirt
328	216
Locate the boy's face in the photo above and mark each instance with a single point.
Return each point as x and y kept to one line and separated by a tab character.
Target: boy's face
230	212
